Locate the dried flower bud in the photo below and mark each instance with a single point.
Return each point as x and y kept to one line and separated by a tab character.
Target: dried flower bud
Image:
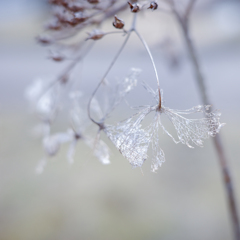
118	23
93	1
153	6
56	2
44	40
95	34
78	18
75	7
134	7
57	57
54	25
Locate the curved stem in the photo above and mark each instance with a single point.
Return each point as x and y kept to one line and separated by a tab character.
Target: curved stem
153	63
223	161
108	70
106	73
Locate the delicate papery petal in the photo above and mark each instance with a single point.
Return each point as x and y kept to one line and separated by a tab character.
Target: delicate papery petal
41	166
158	157
130	81
133	146
130	139
47	104
33	91
123	88
194	130
71	151
101	151
52	143
95	107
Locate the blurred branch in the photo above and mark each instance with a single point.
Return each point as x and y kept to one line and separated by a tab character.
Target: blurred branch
223	161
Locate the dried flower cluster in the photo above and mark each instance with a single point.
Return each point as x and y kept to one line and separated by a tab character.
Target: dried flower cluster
135	141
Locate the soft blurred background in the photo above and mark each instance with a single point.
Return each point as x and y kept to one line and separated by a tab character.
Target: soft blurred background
184	200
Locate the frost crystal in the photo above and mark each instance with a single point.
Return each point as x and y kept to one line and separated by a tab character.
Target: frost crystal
134	141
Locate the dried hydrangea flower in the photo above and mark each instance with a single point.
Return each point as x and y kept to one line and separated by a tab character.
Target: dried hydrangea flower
153	6
43	99
134	7
134	141
118	22
96	34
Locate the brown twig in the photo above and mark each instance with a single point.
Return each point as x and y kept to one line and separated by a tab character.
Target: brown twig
183	22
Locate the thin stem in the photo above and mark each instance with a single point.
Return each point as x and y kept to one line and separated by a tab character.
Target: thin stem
106	73
123	31
223	161
153	63
108	70
68	69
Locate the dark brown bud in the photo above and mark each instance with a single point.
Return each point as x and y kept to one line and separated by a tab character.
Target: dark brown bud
75	7
78	18
153	6
54	25
93	1
118	23
57	57
44	40
134	7
95	35
56	2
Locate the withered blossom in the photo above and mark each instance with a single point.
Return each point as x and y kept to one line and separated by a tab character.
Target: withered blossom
134	7
96	34
118	23
134	141
153	6
93	1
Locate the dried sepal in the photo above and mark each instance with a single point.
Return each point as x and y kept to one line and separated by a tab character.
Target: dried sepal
153	6
118	23
96	34
134	7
